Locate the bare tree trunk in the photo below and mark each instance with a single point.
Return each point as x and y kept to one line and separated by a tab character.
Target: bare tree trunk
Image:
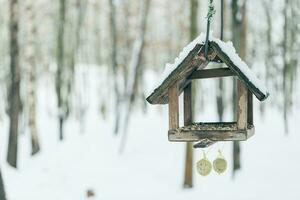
285	66
188	169
290	59
268	61
267	5
2	190
97	32
60	65
113	29
127	40
135	70
81	10
220	86
31	82
14	87
239	28
220	100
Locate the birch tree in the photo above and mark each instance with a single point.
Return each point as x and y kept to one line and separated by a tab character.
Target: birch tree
269	57
30	63
127	40
81	7
80	10
188	170
220	82
135	69
267	5
60	66
14	100
97	32
239	30
290	47
114	63
2	190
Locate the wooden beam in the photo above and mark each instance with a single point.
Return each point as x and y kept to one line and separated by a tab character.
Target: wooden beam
242	97
220	131
179	135
250	108
195	60
188	117
187	105
196	135
173	107
224	57
211	73
184	69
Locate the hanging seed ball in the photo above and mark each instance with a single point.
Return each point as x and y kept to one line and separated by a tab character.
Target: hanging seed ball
220	165
204	167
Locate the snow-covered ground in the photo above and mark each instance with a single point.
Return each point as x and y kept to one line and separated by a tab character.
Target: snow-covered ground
151	167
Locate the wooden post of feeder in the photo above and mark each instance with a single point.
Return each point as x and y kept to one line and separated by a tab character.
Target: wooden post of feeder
173	107
188	118
242	104
187	105
250	108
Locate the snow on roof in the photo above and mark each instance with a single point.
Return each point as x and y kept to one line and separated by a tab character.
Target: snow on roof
182	55
226	47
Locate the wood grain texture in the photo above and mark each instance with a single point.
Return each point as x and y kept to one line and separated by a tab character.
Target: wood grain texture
195	60
173	107
259	94
188	117
250	108
228	132
187	105
242	99
212	73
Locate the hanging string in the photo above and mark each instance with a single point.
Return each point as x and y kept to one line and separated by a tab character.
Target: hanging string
222	19
210	13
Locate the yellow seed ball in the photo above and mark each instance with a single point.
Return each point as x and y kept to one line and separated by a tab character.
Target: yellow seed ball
220	165
204	167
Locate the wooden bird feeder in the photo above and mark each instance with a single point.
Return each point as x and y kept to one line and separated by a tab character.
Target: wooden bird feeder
191	67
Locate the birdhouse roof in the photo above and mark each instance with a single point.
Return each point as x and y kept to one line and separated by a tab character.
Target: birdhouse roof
192	58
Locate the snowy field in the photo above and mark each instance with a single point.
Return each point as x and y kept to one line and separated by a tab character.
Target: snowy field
150	167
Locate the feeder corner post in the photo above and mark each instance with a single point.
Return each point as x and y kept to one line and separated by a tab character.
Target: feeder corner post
250	108
187	105
188	119
242	104
173	107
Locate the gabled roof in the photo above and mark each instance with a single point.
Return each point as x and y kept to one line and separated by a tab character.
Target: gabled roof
192	58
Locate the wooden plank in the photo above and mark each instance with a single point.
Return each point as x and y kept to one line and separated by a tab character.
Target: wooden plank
187	105
242	97
188	117
196	135
224	131
211	73
173	107
194	60
259	94
211	126
250	108
202	130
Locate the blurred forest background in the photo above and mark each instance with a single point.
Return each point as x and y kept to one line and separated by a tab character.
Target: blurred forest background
122	45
